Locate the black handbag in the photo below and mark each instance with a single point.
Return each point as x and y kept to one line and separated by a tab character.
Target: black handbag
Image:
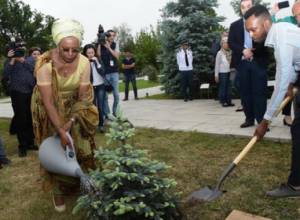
108	86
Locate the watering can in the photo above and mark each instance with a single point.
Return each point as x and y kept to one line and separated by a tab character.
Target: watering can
57	160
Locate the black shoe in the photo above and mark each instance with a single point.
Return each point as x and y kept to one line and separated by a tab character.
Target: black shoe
125	100
239	110
101	129
191	99
284	191
185	100
247	124
286	124
22	153
231	105
136	98
5	161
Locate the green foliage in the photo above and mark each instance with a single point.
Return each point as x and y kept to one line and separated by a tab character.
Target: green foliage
192	20
146	50
1	72
130	186
17	19
151	72
236	5
125	37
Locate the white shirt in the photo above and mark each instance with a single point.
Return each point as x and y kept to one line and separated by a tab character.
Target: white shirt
97	78
222	65
285	39
181	60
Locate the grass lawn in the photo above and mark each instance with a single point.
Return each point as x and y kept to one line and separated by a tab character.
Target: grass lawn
141	84
197	160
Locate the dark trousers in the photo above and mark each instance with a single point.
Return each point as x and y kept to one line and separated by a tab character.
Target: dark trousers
23	120
294	178
253	88
2	151
224	88
99	101
287	109
130	78
186	83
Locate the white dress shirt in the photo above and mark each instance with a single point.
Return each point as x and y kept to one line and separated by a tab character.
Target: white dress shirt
285	39
181	60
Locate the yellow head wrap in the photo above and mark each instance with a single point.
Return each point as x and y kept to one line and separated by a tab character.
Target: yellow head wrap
62	28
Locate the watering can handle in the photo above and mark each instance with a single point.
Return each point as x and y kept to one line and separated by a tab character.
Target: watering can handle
70	150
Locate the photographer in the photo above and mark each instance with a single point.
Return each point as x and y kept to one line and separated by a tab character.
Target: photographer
109	55
20	72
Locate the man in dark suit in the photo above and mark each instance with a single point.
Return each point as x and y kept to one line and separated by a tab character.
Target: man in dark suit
250	60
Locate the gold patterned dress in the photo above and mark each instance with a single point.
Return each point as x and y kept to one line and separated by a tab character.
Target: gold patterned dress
68	105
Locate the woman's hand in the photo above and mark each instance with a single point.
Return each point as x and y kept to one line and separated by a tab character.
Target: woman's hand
68	125
64	140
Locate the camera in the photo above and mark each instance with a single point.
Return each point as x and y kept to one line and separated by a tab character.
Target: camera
18	46
102	36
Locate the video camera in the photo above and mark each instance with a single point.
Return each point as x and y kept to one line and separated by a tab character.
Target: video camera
18	46
102	36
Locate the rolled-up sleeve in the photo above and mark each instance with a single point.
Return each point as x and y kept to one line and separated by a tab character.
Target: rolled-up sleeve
285	71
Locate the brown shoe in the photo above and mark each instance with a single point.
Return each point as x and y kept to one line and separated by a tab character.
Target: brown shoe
59	203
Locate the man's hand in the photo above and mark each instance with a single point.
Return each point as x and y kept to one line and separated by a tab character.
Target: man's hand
107	45
20	59
261	129
275	9
217	79
290	92
248	54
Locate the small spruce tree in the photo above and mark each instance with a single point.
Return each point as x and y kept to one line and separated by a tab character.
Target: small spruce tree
128	183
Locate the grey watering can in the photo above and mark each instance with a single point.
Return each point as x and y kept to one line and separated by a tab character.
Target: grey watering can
57	160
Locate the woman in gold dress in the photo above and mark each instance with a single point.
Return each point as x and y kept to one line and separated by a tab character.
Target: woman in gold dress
63	101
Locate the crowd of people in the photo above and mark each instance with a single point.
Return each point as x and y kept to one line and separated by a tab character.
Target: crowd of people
242	57
62	90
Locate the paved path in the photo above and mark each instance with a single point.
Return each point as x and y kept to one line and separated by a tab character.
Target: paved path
199	115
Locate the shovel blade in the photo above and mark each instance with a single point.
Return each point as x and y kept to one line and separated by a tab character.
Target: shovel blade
206	194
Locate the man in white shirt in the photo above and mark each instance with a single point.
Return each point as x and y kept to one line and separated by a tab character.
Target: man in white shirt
284	38
185	65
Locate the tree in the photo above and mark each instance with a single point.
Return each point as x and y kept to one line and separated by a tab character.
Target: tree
18	20
129	186
125	37
192	20
236	5
147	48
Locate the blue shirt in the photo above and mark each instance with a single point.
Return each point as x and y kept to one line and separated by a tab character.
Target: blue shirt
21	75
247	38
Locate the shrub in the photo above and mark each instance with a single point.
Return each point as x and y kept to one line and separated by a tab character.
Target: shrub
151	72
129	185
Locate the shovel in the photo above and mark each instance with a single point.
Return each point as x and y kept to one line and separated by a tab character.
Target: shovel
208	193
